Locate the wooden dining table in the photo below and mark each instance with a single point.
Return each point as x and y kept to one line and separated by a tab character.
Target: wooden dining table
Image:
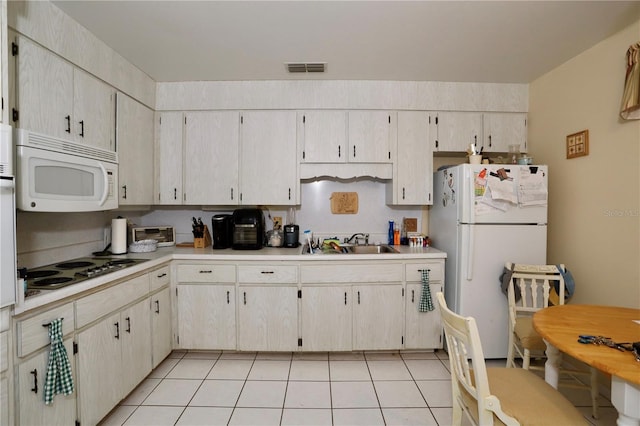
560	327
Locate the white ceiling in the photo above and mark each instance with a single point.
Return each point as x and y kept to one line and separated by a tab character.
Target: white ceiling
480	41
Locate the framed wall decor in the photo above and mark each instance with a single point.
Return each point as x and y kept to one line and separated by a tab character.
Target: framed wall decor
578	144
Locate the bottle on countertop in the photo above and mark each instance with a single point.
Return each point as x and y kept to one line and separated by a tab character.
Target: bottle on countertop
391	229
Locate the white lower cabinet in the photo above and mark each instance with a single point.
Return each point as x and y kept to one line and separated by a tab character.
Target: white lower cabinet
114	355
31	375
377	316
160	326
268	318
207	316
423	330
326	318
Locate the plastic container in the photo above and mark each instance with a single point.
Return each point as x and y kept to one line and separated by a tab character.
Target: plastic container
514	150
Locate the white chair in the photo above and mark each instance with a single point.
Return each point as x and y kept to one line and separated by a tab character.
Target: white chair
532	288
510	396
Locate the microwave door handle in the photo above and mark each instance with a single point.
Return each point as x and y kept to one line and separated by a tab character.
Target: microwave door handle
105	194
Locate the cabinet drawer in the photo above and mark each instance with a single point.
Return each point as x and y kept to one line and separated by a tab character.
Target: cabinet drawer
104	302
31	333
268	274
414	274
207	273
160	277
352	273
4	351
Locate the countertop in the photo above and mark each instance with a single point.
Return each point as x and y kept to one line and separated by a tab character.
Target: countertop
167	254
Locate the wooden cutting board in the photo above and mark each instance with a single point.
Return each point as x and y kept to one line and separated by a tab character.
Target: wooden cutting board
344	202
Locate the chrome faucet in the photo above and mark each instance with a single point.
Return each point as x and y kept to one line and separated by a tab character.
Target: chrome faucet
357	237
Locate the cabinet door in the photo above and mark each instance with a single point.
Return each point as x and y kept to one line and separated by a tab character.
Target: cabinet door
454	131
135	331
413	184
93	111
99	369
268	318
211	144
324	136
44	85
160	326
31	377
504	129
378	314
135	151
4	401
370	136
269	166
326	318
423	330
169	158
206	316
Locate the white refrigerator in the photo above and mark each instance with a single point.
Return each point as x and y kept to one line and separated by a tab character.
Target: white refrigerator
483	216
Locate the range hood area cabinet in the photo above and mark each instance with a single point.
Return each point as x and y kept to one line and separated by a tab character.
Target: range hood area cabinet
230	158
453	131
347	136
412	182
57	99
134	142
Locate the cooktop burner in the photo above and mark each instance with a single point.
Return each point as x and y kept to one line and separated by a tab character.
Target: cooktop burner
62	274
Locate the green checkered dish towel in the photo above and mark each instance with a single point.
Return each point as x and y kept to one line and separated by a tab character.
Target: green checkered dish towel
59	378
426	304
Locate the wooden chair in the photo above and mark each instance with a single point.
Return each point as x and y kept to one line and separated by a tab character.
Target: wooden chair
532	288
510	396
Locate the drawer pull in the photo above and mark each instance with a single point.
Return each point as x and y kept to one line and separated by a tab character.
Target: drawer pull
345	298
48	324
206	271
117	336
413	293
228	297
267	272
157	306
162	275
35	380
128	330
358	297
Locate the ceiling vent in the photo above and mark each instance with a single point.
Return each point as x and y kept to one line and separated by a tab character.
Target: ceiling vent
306	67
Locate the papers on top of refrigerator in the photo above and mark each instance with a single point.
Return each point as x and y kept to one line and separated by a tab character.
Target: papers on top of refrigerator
499	190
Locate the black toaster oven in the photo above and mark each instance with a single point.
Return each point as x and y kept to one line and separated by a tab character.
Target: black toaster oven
248	229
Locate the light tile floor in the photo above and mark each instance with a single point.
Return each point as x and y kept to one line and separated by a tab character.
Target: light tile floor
228	388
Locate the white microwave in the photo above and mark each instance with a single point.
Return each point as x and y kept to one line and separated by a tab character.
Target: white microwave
55	175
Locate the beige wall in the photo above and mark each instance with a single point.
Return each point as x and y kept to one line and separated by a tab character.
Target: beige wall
594	210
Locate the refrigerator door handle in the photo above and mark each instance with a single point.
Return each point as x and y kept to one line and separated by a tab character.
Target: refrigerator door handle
471	193
469	246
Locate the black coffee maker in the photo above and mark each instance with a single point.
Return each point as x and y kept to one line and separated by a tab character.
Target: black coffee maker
222	231
291	235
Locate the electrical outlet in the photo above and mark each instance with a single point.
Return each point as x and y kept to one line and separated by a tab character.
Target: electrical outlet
277	222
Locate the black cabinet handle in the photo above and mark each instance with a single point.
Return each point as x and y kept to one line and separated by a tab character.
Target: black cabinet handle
34	389
358	297
68	118
81	128
266	272
162	275
339	151
124	189
206	271
157	306
245	297
345	297
413	293
228	297
489	141
354	151
175	193
403	193
289	193
117	336
232	193
128	330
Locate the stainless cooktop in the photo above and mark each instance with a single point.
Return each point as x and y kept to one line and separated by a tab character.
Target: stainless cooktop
62	274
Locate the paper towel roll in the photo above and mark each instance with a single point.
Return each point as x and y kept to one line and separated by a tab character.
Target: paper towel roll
118	236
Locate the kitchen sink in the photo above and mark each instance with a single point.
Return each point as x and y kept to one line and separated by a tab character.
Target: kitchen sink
372	249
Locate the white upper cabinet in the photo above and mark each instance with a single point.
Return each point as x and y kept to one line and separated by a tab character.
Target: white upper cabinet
413	181
134	136
268	158
504	129
324	136
211	147
370	136
454	131
168	158
57	99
